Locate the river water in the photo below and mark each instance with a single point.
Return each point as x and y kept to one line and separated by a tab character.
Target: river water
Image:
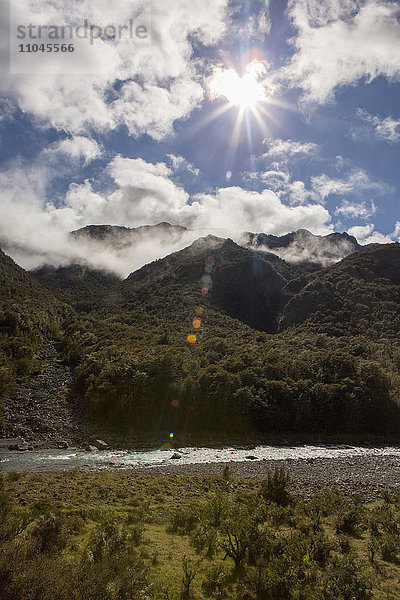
46	461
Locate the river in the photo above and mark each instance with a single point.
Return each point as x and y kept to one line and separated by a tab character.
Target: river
47	461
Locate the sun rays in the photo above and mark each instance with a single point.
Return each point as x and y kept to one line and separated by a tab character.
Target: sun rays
252	98
249	94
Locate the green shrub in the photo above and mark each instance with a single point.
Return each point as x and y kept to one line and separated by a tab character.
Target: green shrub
184	520
214	584
48	533
389	547
189	574
348	522
276	487
343	580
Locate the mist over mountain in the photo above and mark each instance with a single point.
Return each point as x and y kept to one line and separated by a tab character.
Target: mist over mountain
121	250
303	247
296	247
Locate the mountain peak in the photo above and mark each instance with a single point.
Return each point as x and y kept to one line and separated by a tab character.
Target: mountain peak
302	246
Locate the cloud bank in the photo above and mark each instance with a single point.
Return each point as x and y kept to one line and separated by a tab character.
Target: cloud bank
36	231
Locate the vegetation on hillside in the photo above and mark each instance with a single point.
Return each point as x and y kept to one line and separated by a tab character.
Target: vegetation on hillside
217	339
28	314
326	374
111	536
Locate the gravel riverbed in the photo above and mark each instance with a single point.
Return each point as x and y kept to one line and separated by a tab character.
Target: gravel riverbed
367	476
365	472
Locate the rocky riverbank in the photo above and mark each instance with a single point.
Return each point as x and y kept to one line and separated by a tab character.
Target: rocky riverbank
367	476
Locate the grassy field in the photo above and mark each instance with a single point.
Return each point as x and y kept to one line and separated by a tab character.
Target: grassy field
108	536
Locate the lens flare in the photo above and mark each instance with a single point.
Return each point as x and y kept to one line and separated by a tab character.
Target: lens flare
210	261
171	435
191	339
175	403
197	323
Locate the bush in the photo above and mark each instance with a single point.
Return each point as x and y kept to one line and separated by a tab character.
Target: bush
205	537
215	583
347	522
389	547
184	520
4	500
215	510
276	487
343	581
189	574
226	473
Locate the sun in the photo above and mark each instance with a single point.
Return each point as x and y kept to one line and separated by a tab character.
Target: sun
245	91
251	94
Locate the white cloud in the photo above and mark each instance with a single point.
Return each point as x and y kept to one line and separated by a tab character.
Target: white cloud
152	110
237	209
145	194
280	181
287	149
396	233
35	231
352	210
75	149
387	129
361	232
180	164
249	26
366	234
356	182
158	82
342	43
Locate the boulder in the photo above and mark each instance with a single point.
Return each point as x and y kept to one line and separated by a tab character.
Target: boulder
100	445
21	448
176	456
91	448
11	443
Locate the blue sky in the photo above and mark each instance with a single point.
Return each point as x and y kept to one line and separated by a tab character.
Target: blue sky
149	137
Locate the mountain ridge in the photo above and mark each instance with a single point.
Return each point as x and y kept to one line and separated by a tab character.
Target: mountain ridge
226	339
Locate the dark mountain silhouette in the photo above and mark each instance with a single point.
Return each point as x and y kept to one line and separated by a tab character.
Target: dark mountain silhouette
245	285
240	340
125	236
358	295
296	247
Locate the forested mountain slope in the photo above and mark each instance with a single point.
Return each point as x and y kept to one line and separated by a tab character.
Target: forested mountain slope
29	313
218	339
138	370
